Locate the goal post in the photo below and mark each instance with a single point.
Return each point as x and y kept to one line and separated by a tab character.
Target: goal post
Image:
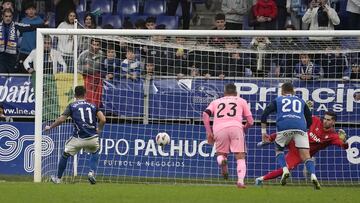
171	83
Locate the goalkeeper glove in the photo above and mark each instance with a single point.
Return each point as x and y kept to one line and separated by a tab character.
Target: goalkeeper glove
310	104
342	135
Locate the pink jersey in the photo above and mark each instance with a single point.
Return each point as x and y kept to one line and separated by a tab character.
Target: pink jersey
228	111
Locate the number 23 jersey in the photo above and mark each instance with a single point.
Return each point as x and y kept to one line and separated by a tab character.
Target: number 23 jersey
228	111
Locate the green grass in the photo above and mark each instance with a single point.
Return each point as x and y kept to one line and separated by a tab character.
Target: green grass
144	193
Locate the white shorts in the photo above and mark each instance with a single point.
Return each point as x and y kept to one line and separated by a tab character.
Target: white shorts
300	138
74	145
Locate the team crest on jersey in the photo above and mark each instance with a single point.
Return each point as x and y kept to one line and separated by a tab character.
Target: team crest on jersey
326	137
316	129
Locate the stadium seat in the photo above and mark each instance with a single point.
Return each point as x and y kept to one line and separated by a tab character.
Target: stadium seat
171	22
134	18
105	6
127	7
154	7
114	20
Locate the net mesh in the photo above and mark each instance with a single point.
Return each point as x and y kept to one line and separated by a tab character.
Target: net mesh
151	84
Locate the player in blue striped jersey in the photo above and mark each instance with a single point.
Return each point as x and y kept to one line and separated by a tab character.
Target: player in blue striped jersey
293	118
85	135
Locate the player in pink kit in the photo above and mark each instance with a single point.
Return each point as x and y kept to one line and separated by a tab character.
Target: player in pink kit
227	131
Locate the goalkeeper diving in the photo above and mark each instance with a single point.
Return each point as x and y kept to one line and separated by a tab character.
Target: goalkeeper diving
321	134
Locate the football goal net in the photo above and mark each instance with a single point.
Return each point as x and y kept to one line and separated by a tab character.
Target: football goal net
152	81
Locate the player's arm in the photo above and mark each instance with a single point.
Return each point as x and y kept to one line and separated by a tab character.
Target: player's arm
308	116
56	123
249	122
60	119
248	116
102	121
268	140
206	120
268	110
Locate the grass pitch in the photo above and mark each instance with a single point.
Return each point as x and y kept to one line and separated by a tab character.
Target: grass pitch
161	193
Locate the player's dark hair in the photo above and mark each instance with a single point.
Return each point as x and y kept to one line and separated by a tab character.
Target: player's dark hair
230	89
332	114
80	91
287	87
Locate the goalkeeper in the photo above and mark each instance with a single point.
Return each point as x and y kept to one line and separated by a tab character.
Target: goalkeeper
321	135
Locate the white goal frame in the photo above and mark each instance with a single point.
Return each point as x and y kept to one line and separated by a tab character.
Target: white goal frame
125	32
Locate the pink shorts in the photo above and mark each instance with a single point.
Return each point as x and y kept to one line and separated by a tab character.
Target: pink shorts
230	139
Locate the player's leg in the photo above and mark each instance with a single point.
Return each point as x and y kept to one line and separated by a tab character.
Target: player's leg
71	148
237	145
222	143
282	139
292	159
271	175
61	168
302	143
240	168
306	173
92	146
223	164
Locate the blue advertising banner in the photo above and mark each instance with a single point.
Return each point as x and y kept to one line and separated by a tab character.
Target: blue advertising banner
170	98
17	148
17	95
130	150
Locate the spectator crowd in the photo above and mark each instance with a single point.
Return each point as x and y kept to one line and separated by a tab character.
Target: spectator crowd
105	60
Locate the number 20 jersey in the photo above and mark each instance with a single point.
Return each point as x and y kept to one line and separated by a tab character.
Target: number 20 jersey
228	111
290	113
84	117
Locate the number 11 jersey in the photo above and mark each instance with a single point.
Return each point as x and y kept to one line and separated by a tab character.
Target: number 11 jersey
228	111
84	117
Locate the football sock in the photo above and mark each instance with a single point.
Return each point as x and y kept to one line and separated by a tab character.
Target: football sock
241	170
94	161
62	165
220	159
310	167
280	158
273	174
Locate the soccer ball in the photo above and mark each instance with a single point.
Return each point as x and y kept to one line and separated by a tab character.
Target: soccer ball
162	139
